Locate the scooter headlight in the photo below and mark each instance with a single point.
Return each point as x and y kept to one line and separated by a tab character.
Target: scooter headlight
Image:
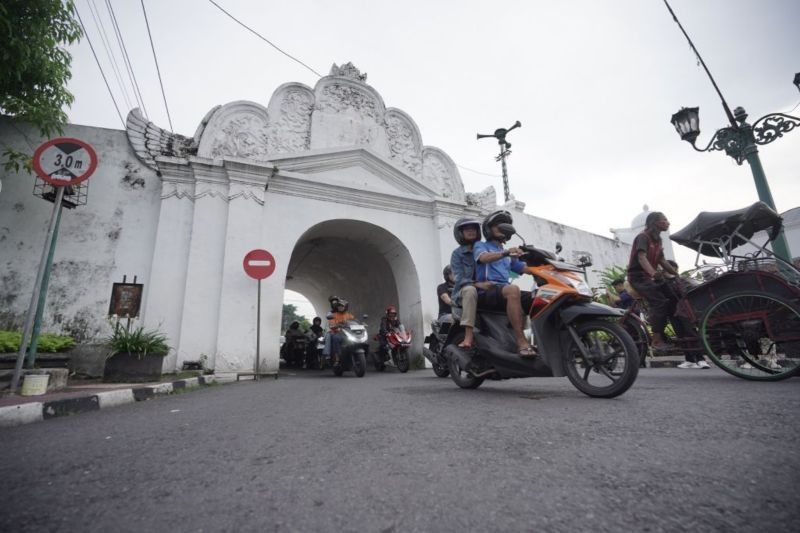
578	284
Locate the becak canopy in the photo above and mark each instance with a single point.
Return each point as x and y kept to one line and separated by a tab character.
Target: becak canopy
710	231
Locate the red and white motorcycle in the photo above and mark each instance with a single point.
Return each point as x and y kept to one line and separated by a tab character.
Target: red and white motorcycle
398	342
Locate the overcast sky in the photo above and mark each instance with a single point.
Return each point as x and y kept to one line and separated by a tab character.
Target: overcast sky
594	83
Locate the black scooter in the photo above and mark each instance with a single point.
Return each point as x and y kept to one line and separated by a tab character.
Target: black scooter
575	337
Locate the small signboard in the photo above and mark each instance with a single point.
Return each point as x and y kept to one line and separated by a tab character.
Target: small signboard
259	264
64	161
126	299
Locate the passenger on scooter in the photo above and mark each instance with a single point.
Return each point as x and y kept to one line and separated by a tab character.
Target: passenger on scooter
389	321
467	232
494	264
339	316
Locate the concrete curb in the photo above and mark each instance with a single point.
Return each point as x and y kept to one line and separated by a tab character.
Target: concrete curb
26	413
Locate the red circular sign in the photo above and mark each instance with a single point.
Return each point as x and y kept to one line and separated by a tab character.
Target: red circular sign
259	264
64	161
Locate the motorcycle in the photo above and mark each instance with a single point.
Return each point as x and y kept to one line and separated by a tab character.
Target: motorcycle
315	358
398	341
575	337
295	351
436	342
353	349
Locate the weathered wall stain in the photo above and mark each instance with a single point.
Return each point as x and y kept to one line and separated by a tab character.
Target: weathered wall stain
132	180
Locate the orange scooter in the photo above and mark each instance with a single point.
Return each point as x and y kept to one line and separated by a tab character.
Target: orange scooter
574	336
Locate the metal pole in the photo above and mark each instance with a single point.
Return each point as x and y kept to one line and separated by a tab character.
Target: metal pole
258	332
37	324
780	246
26	332
505	171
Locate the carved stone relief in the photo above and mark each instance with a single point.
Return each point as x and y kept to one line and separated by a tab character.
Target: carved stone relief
438	172
290	120
243	135
404	143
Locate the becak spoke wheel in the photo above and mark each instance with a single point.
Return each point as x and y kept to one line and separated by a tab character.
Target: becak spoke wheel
753	335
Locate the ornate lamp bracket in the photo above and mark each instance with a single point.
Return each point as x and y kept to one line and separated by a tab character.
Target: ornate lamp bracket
732	141
772	126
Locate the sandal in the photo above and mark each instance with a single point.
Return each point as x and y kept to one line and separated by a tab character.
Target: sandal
527	353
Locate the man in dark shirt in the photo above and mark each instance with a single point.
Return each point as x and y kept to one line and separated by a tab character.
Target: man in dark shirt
443	292
647	254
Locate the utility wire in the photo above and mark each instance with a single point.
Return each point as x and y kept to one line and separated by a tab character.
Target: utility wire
109	52
479	172
136	90
160	82
264	39
100	67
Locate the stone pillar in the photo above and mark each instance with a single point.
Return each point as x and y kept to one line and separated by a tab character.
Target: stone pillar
236	344
204	273
167	284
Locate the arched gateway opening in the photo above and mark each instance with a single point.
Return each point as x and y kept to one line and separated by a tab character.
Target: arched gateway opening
362	263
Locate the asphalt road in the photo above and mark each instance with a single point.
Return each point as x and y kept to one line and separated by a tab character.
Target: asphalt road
683	450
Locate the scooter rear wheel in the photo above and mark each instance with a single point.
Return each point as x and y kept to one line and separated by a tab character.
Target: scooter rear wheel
460	376
439	370
612	363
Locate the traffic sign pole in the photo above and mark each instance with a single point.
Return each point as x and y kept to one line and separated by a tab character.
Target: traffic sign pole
258	264
37	287
258	333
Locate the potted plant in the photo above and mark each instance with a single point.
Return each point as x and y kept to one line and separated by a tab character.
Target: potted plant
136	355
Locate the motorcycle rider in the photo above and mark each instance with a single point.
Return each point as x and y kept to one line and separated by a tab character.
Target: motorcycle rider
292	334
494	263
443	294
339	316
389	321
467	231
316	326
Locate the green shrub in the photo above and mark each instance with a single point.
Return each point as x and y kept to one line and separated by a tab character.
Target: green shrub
137	342
48	342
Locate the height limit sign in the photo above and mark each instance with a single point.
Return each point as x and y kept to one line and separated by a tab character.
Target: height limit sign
64	161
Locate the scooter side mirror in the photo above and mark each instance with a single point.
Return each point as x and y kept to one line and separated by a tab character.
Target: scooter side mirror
559	247
329	316
507	230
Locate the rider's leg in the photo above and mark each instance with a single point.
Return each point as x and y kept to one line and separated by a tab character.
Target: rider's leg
512	295
336	342
469	306
658	305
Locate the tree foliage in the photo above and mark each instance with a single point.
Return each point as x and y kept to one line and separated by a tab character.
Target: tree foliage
290	315
35	66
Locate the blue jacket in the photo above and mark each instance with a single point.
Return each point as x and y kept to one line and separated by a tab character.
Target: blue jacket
463	264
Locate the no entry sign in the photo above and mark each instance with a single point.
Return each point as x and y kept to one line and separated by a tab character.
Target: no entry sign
64	161
259	264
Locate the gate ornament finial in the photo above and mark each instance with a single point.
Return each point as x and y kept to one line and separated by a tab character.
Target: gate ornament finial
348	70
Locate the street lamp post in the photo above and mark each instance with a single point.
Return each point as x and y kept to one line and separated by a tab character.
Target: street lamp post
740	142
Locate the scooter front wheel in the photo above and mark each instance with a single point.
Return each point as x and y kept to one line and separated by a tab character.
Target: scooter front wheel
359	363
402	361
441	371
605	363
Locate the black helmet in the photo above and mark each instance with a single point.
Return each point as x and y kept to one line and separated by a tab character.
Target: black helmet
447	272
460	224
498	217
